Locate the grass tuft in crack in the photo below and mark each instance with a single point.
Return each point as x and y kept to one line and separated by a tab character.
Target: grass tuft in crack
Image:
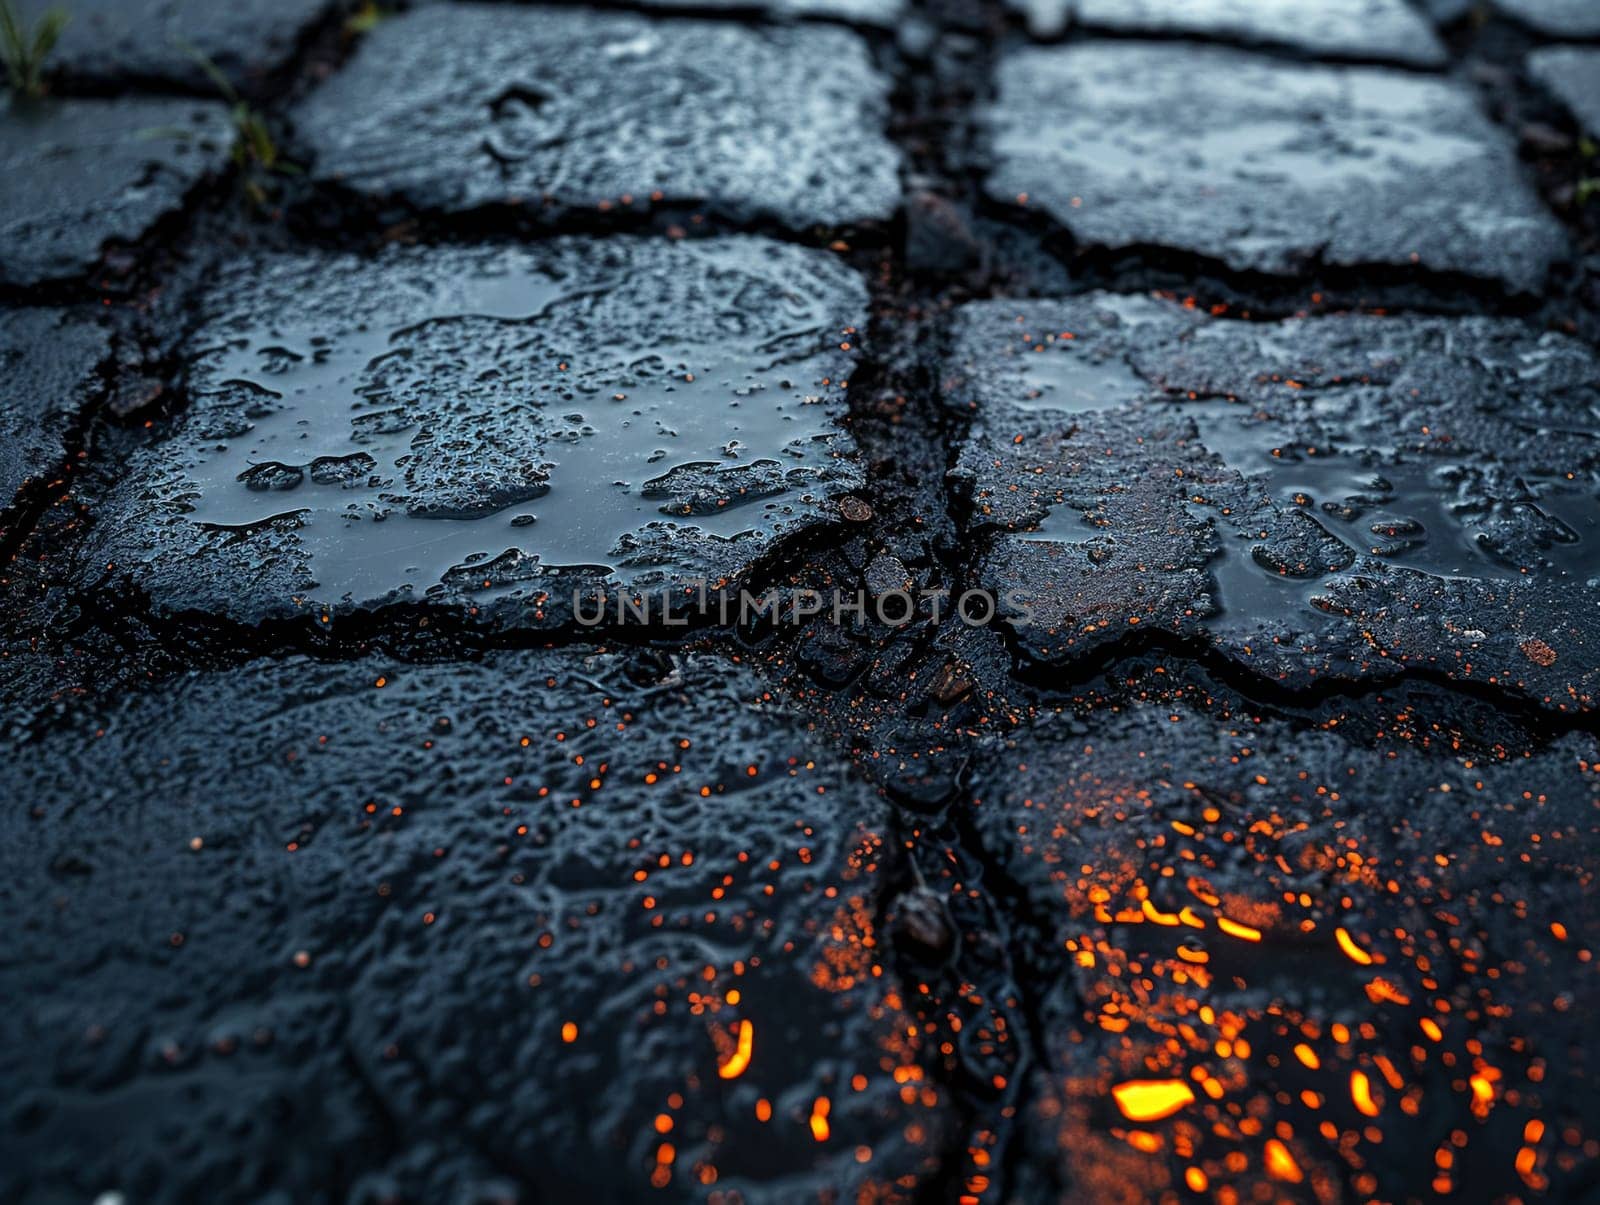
255	150
365	19
25	50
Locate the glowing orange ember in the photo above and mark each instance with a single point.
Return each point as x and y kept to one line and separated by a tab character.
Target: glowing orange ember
1361	1094
1151	1099
740	1058
1352	951
819	1119
1281	1164
1234	929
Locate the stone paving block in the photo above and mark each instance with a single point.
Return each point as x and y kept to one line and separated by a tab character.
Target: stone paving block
1380	30
1294	962
455	108
1572	75
491	427
77	174
115	41
49	364
366	931
876	14
1281	168
1557	18
1344	496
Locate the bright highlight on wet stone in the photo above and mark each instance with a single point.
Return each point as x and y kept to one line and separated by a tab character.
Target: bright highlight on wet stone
1380	30
1262	165
460	107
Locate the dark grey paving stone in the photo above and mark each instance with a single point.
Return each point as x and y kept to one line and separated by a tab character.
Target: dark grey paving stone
1283	168
49	363
1379	30
875	14
360	902
108	41
77	174
1345	496
493	428
1572	75
1461	885
1558	18
459	107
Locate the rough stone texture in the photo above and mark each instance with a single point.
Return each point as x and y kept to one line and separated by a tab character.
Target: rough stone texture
1387	30
1283	167
1462	885
876	14
49	360
1558	18
328	949
1572	75
590	109
118	40
77	174
490	426
1344	496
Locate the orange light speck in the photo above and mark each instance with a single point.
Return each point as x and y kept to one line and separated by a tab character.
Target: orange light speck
1352	951
740	1058
1151	1099
1234	929
819	1119
1281	1164
1361	1094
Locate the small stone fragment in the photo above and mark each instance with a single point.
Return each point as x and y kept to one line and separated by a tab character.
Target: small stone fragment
920	921
855	510
938	239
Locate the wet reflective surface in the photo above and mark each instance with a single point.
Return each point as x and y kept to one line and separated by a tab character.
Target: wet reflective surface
449	431
1293	486
577	900
1297	165
556	110
1151	752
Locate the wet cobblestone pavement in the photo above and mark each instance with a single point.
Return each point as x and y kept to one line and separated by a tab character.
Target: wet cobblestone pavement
836	600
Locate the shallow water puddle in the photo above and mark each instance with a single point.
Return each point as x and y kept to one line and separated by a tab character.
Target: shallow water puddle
402	454
1070	378
1415	513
